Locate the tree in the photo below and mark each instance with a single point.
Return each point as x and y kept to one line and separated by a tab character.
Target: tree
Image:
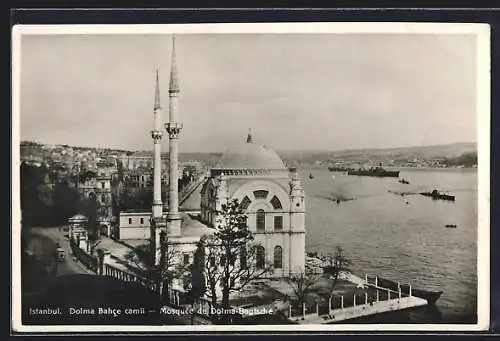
89	207
134	198
195	282
65	202
168	268
85	175
37	196
31	204
169	265
301	284
336	264
230	255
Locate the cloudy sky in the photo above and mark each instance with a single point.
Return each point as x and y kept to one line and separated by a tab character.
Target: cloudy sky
302	92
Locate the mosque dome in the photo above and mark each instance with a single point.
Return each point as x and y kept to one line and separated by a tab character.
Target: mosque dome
250	155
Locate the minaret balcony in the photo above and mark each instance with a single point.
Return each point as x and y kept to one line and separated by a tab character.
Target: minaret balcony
156	134
173	129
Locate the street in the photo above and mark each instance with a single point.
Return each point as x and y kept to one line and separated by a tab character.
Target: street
42	243
72	286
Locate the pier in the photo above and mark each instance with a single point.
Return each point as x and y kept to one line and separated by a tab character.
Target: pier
374	300
342	314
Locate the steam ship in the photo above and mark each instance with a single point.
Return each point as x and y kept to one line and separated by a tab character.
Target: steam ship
374	171
435	195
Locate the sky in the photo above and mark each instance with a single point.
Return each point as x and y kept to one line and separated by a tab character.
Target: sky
295	91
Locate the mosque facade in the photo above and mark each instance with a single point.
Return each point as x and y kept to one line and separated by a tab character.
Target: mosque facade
271	197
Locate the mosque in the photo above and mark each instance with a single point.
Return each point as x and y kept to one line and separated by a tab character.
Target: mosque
271	195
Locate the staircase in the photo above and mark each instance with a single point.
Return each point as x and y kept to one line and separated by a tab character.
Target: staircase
188	190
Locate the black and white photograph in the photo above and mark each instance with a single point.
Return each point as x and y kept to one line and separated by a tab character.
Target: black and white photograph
293	177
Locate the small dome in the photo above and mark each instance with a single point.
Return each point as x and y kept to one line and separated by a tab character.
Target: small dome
78	218
250	156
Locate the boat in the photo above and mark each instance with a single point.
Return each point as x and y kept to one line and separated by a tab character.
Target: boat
450	226
403	181
430	296
339	169
435	195
374	171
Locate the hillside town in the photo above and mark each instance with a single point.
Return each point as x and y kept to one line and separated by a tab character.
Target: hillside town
116	179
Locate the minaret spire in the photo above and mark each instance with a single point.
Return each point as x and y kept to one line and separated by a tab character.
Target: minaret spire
157	92
174	82
158	223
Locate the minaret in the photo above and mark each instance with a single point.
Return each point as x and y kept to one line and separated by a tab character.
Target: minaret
157	222
173	129
157	135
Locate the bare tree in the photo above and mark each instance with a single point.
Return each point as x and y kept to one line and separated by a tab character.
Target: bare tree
336	264
168	268
302	284
231	258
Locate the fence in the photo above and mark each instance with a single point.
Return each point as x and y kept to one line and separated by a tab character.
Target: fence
89	261
189	188
109	270
374	298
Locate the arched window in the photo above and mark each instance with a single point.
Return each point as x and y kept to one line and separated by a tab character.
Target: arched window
260	255
278	257
276	203
260	194
245	202
261	220
103	198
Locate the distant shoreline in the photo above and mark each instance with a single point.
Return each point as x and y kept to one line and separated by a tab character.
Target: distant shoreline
430	169
419	169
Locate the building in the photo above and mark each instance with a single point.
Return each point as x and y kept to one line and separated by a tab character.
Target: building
138	178
141	178
135	161
99	188
272	198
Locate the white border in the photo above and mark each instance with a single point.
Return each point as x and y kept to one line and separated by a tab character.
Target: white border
482	32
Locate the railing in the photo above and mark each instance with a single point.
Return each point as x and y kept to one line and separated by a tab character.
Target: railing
187	191
352	305
176	298
89	261
109	270
373	300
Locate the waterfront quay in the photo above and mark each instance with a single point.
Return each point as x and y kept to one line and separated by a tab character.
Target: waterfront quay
353	298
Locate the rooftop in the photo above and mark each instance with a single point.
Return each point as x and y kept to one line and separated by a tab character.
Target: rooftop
250	155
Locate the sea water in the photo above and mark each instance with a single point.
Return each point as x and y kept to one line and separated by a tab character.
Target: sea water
403	238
